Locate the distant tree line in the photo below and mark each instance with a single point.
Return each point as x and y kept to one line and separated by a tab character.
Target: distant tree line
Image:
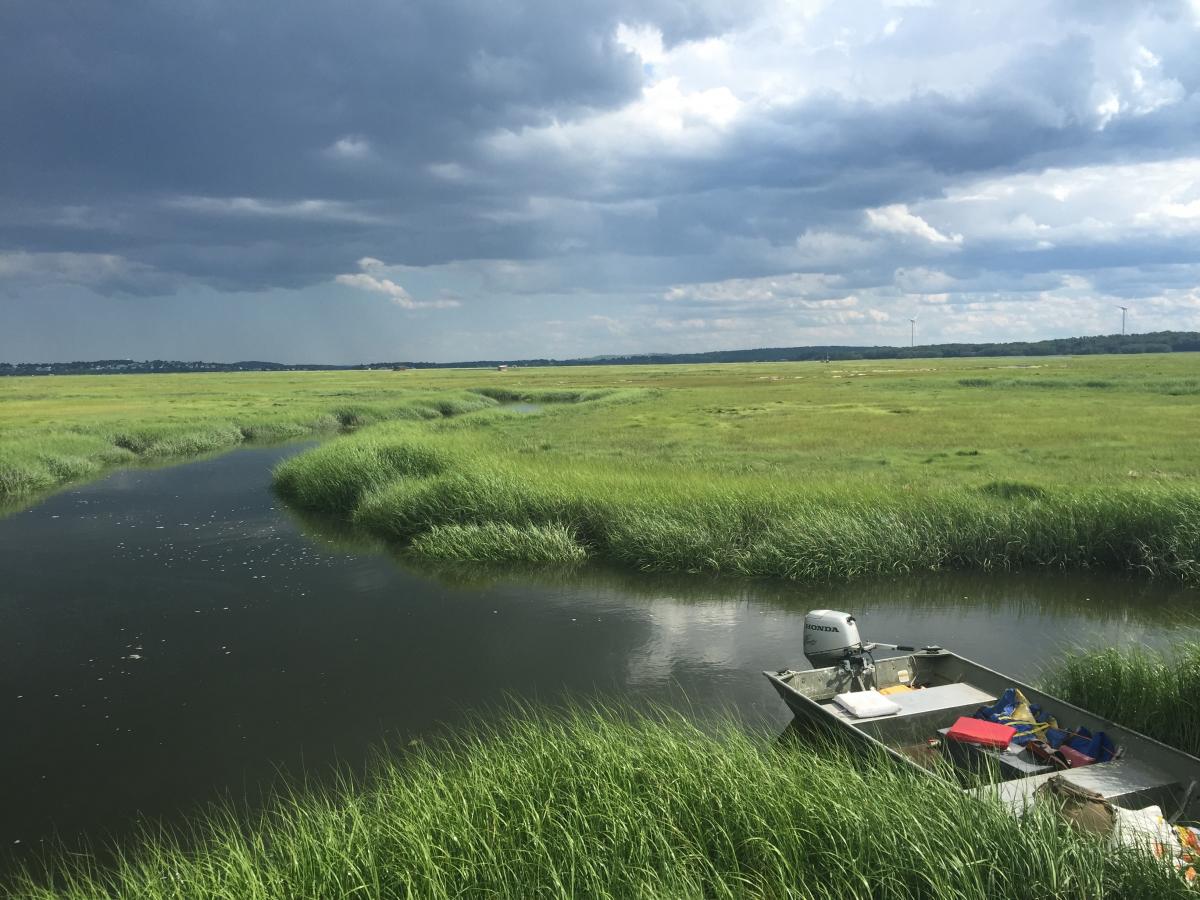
1154	342
130	366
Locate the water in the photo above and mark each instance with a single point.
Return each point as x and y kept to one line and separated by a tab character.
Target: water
526	408
170	637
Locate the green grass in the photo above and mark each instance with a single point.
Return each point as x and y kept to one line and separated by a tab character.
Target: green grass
601	804
795	470
500	541
740	524
51	437
1152	692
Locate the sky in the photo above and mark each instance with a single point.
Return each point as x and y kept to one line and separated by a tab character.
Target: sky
371	180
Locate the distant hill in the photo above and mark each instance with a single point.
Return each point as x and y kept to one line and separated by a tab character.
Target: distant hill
1154	342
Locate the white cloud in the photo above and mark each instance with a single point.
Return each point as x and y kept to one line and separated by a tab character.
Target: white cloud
350	147
664	324
897	219
371	279
611	325
668	119
921	280
746	194
805	289
644	40
1132	83
1088	204
254	207
827	248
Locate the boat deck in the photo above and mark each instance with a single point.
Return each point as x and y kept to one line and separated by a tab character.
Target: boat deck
1126	782
940	698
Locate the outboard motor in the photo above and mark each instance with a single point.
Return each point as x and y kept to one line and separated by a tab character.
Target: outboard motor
830	637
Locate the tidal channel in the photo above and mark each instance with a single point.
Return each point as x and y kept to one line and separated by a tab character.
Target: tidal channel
173	637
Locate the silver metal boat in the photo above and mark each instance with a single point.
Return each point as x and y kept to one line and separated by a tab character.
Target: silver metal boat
1145	772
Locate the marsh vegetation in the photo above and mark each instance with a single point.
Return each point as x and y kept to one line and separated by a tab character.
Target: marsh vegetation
54	431
801	471
1148	690
601	803
804	472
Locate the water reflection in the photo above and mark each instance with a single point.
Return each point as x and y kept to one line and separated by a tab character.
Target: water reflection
168	636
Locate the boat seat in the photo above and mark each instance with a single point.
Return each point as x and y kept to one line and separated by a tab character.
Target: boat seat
1127	783
926	700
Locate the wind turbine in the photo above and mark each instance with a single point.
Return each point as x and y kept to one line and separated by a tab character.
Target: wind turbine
1123	309
913	335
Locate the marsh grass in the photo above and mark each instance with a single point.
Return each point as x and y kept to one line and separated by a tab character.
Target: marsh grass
544	395
335	482
738	470
601	803
34	460
465	501
50	438
493	541
1154	692
1013	490
1173	387
800	471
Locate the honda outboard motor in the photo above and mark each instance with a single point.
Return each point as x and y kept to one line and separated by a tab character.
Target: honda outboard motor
830	637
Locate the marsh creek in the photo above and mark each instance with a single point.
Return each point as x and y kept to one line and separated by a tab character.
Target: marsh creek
175	636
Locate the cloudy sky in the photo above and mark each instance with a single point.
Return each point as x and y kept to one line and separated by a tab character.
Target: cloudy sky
299	180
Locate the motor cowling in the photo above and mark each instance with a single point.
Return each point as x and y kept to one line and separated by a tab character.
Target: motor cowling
829	637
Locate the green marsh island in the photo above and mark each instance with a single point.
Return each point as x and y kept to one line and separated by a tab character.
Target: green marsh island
780	487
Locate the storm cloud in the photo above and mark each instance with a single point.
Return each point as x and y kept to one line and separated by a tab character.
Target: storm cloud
398	180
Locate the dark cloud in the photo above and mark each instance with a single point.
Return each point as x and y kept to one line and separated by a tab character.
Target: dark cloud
229	98
150	147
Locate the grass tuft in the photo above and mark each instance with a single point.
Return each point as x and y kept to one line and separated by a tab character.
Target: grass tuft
334	482
1013	490
1149	691
501	542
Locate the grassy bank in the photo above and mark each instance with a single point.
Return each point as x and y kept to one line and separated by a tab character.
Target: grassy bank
597	804
448	492
1149	691
803	472
49	436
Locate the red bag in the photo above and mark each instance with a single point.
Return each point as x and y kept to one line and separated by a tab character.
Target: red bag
980	731
1043	752
1074	758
